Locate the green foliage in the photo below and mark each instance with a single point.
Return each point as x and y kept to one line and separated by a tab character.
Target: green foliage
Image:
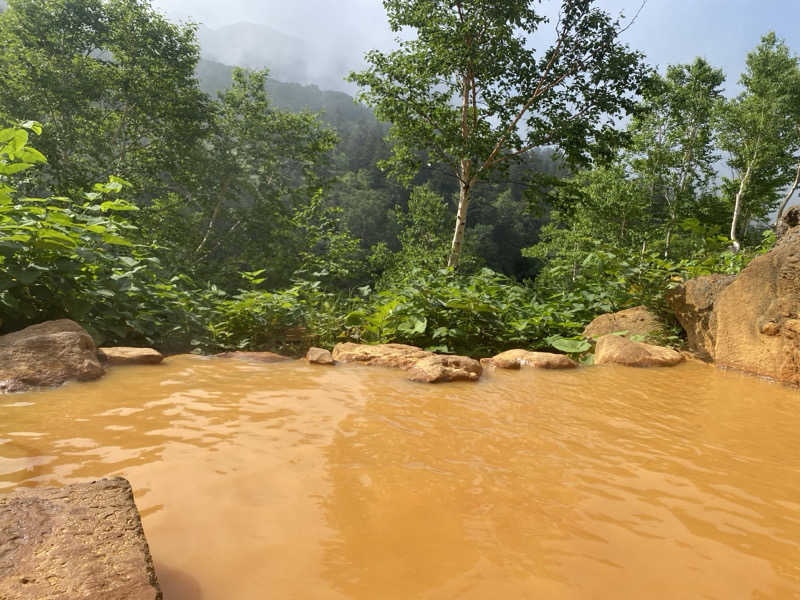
471	92
77	259
287	321
607	278
114	83
477	314
423	235
759	131
253	181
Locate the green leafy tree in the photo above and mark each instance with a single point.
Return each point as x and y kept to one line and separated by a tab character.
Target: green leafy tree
759	132
674	151
112	81
256	168
470	93
423	235
76	257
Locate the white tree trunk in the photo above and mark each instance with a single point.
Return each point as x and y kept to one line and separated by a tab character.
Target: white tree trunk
461	216
788	195
737	207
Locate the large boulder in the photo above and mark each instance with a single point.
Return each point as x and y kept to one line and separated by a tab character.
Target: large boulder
633	321
615	349
123	355
440	368
758	315
78	541
47	354
693	303
515	359
398	356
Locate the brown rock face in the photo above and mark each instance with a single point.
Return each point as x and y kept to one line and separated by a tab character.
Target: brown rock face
121	355
265	357
382	355
634	321
693	303
515	359
440	368
80	541
757	315
622	351
319	356
47	354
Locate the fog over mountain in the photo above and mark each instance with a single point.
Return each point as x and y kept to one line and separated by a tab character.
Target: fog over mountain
288	58
325	40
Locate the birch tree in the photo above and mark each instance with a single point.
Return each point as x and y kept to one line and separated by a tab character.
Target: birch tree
759	133
674	142
480	84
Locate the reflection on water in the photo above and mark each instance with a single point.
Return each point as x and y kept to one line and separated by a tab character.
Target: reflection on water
291	481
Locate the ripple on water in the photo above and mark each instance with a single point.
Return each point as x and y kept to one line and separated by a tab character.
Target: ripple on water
355	483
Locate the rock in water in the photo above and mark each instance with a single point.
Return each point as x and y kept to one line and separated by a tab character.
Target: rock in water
47	354
633	321
265	357
693	303
622	351
422	366
319	356
758	315
79	541
515	359
121	355
398	356
444	367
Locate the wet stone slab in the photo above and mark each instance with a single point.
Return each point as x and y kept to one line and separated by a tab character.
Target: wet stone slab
79	541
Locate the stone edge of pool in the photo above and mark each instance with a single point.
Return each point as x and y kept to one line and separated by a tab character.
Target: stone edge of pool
82	540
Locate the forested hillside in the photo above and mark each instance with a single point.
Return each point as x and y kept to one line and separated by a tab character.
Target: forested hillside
494	201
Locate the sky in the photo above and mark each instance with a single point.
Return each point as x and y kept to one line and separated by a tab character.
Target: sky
667	31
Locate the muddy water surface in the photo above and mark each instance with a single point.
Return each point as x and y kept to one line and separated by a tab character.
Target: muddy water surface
289	481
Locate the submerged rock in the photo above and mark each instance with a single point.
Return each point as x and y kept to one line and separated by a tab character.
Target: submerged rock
638	320
265	357
515	359
693	303
619	350
319	356
758	315
78	541
47	354
442	367
398	356
121	355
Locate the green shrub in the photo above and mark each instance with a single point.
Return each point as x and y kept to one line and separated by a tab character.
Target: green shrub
286	321
78	259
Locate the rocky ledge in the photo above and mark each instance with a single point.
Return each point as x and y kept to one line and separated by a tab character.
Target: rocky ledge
79	541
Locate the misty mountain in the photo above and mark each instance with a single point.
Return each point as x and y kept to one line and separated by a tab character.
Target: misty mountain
337	108
288	58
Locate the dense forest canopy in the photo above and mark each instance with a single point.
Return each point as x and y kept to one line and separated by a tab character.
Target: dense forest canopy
164	199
